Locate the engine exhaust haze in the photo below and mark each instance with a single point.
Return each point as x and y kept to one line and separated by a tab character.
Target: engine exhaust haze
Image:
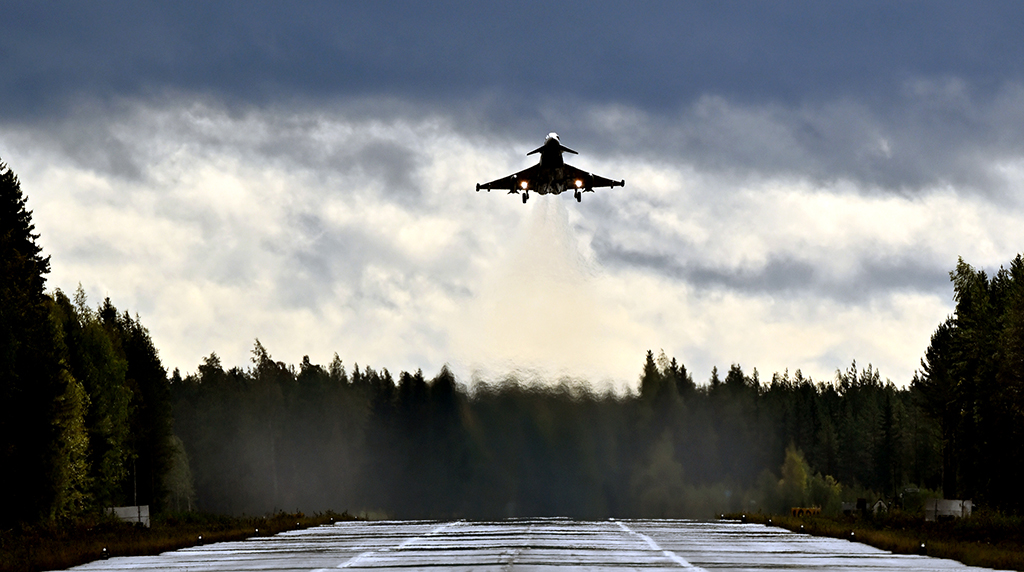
538	313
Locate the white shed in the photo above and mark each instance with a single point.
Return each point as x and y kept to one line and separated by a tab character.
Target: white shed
936	508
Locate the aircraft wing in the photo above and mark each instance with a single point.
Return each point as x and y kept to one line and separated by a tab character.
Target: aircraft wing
512	182
589	181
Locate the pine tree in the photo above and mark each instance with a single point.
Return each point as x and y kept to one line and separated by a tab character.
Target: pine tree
650	379
150	441
941	399
1010	383
95	360
39	404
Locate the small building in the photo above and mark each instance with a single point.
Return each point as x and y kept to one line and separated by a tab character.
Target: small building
138	513
860	506
947	508
879	506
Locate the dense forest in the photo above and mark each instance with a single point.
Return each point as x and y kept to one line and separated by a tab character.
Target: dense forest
85	418
273	437
90	418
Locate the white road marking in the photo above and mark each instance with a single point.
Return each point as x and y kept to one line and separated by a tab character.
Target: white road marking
533	544
356	559
654	546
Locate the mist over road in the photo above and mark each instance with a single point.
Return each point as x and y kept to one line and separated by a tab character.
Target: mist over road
534	544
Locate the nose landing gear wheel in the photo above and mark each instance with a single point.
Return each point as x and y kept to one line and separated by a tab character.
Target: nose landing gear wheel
579	196
525	196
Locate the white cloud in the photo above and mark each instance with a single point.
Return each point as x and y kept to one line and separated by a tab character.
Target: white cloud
325	230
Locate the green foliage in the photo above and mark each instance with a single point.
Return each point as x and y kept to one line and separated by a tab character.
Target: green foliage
96	363
82	393
658	484
271	436
22	262
33	422
971	385
149	438
313	437
70	478
177	481
795	474
652	382
825	492
768	497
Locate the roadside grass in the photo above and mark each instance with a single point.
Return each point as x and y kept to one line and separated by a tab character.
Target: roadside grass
56	547
985	539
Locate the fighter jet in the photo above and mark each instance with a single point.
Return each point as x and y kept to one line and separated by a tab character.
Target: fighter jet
551	175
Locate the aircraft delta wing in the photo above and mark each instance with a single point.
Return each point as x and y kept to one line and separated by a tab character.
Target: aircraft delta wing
551	175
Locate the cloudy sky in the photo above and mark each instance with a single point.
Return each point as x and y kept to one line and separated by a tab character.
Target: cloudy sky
800	176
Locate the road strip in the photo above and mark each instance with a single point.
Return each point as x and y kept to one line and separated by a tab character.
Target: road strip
657	548
355	560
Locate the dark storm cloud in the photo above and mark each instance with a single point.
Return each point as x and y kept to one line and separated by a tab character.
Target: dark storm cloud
785	276
933	134
652	55
898	97
268	157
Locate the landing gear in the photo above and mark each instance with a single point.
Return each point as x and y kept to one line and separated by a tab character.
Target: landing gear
579	196
525	196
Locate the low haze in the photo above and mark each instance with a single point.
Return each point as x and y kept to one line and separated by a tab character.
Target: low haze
800	178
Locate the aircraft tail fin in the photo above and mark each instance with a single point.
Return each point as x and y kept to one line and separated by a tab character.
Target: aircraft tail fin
561	148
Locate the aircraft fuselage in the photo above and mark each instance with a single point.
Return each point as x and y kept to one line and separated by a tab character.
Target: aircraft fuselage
551	175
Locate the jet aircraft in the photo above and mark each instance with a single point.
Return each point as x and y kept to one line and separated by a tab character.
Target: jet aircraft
551	175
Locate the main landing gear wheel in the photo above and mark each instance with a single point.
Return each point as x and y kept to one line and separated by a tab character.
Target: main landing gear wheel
525	196
579	196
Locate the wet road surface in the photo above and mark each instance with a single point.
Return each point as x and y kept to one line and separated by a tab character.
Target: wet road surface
533	544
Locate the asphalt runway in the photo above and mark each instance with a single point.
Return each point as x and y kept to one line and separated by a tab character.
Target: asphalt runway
533	544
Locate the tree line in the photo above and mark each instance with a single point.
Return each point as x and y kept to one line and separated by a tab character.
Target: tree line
90	418
971	383
85	418
278	437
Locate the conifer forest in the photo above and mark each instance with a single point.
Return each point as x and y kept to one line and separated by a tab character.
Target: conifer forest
91	418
